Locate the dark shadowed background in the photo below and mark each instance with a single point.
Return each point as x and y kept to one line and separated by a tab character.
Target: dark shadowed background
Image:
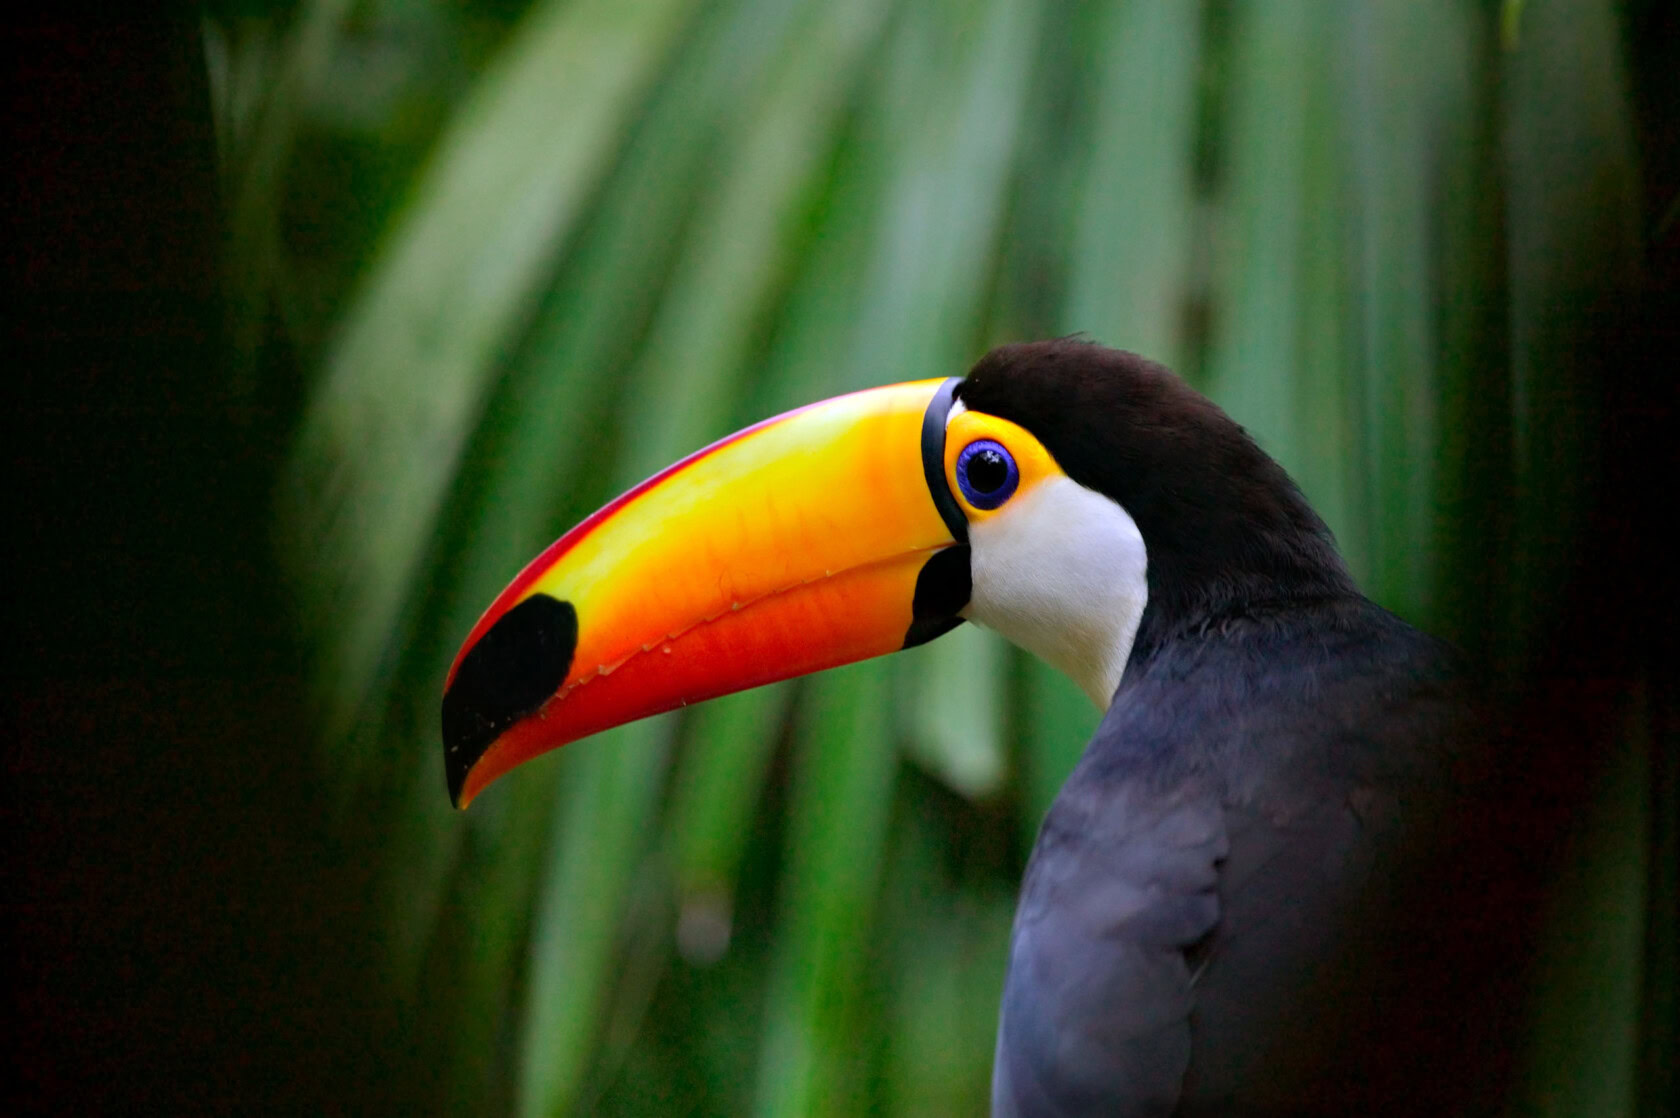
325	316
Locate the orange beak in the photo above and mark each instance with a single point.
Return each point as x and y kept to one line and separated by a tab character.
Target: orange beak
810	540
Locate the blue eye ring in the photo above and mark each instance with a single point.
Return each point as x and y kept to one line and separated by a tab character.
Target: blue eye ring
986	473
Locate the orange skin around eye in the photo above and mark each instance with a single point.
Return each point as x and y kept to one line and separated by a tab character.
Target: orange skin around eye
1032	462
790	547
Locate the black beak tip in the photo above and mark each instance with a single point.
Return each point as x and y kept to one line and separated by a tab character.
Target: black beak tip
455	769
515	667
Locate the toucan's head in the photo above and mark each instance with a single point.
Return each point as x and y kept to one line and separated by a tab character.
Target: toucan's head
1082	501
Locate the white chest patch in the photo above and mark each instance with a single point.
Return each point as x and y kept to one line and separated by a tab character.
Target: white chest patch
1061	571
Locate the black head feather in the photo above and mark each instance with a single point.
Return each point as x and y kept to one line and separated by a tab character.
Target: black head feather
1226	530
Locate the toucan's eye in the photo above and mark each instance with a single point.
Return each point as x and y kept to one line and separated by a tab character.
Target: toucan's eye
986	473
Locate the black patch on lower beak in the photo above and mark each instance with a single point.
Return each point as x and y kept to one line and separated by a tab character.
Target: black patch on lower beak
516	665
942	588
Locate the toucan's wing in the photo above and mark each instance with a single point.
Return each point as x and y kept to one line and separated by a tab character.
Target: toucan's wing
1096	1007
1358	943
1293	891
1230	904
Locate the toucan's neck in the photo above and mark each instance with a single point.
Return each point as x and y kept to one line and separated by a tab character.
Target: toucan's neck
1071	576
1261	564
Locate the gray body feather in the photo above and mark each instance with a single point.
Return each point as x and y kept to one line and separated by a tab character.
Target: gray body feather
1220	914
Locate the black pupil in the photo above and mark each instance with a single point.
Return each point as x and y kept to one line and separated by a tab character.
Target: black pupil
987	471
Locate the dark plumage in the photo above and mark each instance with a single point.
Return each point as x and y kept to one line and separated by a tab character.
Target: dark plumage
1225	527
1272	884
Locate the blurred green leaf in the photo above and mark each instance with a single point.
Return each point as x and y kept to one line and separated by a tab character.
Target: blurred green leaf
261	79
1572	214
600	833
747	227
405	383
716	794
1278	60
837	819
955	721
1466	222
1135	201
946	940
1572	221
476	946
1399	99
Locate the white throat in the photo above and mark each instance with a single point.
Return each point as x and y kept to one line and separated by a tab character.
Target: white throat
1062	572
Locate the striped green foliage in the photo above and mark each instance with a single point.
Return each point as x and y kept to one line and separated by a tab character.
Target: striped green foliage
1373	231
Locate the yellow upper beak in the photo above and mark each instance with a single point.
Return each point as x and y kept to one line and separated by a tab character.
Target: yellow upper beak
801	543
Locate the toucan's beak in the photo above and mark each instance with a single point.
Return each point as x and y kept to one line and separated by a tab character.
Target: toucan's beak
814	539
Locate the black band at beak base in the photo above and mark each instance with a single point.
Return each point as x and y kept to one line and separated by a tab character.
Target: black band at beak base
933	459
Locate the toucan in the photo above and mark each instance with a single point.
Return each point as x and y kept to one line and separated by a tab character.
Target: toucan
1257	892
